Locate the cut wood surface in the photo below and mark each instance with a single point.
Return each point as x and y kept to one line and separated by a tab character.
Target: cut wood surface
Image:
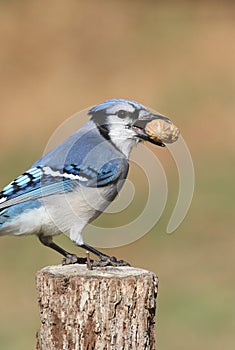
104	308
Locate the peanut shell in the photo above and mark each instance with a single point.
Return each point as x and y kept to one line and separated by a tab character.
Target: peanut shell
160	130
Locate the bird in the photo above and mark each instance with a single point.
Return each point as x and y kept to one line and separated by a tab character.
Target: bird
71	185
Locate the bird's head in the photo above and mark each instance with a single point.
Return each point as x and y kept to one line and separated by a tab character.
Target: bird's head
123	123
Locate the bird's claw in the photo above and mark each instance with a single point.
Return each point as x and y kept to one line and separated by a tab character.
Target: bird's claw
109	261
73	259
103	262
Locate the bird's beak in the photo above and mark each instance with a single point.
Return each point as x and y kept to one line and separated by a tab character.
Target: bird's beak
140	124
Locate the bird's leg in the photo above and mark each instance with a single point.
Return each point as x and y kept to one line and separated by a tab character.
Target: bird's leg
68	257
105	260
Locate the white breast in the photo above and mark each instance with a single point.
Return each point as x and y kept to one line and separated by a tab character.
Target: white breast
65	213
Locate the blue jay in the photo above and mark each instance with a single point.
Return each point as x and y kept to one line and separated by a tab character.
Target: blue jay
73	184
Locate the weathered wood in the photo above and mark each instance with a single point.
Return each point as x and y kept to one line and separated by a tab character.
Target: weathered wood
111	308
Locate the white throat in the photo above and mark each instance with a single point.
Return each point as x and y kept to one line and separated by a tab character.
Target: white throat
123	138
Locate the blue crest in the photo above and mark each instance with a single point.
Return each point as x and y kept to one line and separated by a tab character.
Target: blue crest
109	103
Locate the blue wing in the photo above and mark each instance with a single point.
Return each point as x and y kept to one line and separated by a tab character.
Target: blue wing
42	181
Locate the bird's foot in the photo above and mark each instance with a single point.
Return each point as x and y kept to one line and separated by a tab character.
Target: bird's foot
73	259
103	262
109	261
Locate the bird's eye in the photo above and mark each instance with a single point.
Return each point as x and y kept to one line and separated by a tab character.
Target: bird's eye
122	114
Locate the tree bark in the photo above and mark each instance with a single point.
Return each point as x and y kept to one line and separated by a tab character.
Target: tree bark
111	308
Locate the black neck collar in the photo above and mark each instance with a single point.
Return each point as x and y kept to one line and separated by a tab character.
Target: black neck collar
103	131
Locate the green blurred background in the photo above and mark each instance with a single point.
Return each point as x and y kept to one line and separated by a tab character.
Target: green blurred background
59	57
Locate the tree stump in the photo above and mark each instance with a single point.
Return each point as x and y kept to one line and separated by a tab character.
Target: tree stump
109	308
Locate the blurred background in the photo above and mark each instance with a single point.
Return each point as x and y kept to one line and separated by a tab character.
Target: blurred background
59	57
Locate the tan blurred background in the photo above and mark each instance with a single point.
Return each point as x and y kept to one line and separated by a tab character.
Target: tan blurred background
59	57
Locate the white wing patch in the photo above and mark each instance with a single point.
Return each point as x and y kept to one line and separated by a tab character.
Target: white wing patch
3	199
48	171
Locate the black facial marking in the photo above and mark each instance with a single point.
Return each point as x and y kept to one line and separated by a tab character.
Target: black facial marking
123	114
135	114
104	131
